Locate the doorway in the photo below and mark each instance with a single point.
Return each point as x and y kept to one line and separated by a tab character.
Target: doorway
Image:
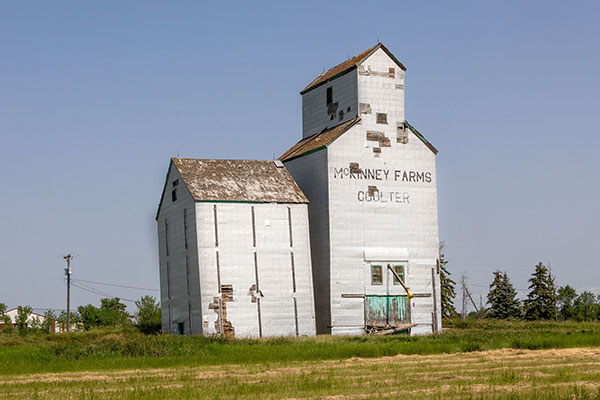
386	301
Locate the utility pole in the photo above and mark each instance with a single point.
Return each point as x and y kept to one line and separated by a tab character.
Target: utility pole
68	272
463	284
554	293
472	301
480	306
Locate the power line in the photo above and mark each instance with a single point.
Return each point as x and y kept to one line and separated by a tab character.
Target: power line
116	285
101	292
98	292
92	290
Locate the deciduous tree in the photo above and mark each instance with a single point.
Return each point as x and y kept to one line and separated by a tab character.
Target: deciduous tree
111	313
148	319
566	299
49	318
586	307
23	314
5	319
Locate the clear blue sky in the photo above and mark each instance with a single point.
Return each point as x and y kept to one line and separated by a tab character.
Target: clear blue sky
96	96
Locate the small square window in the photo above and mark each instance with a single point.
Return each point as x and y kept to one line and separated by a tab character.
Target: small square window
399	270
376	275
382	118
175	182
174	195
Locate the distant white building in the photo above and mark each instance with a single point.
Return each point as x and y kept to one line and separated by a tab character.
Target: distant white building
371	181
33	320
234	250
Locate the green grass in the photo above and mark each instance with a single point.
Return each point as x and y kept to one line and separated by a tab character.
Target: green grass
512	374
126	349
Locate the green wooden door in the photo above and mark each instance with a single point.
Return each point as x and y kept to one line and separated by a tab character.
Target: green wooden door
384	310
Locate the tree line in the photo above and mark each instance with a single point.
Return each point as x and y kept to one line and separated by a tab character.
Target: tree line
111	313
544	301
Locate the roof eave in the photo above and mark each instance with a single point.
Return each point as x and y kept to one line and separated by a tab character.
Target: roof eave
352	67
389	53
305	154
421	137
162	196
344	72
353	122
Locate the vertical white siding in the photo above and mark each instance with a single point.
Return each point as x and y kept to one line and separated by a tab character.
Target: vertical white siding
237	246
310	172
176	308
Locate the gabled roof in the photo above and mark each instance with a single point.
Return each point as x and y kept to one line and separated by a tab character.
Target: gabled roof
348	65
32	314
418	134
239	181
317	141
323	139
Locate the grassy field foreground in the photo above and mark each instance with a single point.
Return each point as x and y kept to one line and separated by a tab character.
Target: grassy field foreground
464	361
501	374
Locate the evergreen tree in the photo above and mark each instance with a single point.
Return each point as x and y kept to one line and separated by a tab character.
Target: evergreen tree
541	300
502	298
566	299
447	287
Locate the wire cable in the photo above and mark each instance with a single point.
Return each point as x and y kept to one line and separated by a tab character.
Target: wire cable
114	284
99	292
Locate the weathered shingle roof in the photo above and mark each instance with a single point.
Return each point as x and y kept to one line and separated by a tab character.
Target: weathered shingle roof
323	139
317	141
238	181
348	65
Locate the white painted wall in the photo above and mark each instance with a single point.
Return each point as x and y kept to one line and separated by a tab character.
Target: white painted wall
32	319
349	232
403	231
310	173
382	93
314	104
236	267
176	300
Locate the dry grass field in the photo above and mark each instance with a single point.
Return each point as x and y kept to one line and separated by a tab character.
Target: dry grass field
507	373
478	359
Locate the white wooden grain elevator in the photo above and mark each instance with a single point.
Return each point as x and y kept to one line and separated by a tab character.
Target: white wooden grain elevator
370	178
